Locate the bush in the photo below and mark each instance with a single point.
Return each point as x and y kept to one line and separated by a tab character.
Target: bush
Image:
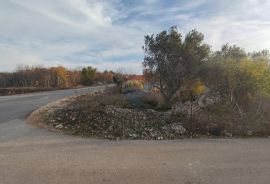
118	79
132	86
155	101
142	100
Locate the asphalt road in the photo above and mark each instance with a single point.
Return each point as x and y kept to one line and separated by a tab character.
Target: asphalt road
31	155
19	106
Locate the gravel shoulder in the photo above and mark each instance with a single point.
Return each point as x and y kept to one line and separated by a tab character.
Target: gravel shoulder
36	117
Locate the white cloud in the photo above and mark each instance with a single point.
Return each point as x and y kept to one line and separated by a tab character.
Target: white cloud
241	23
11	58
109	34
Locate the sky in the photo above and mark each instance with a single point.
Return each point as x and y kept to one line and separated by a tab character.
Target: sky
109	34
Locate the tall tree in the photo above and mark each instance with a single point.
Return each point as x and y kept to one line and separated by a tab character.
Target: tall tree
88	75
173	61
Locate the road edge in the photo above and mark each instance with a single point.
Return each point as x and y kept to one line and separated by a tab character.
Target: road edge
35	118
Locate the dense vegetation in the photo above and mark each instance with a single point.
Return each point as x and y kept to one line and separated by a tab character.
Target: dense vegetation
173	63
241	80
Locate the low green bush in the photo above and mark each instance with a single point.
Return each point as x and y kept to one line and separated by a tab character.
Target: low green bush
132	86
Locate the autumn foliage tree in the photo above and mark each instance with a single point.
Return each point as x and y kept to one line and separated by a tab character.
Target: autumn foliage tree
104	77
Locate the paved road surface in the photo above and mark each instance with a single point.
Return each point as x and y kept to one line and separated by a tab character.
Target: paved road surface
29	155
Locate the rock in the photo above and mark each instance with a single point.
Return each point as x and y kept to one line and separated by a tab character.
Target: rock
249	132
208	99
186	107
228	134
59	126
52	121
178	128
178	107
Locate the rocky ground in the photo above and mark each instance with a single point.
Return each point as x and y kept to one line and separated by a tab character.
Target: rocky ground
111	115
99	116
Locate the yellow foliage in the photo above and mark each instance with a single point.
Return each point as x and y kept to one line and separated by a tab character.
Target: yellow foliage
196	87
132	85
199	88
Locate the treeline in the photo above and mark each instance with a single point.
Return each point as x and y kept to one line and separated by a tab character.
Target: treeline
54	77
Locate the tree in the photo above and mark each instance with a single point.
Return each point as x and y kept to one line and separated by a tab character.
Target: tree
104	77
88	75
172	61
260	55
60	76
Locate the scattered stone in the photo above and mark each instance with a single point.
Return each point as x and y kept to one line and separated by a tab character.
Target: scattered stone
249	132
59	126
178	128
228	134
114	122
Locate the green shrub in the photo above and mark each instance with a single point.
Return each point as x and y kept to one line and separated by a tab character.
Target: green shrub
132	86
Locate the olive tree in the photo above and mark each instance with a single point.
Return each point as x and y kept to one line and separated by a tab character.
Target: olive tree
172	60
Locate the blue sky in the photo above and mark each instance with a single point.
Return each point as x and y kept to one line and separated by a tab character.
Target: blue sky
110	34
